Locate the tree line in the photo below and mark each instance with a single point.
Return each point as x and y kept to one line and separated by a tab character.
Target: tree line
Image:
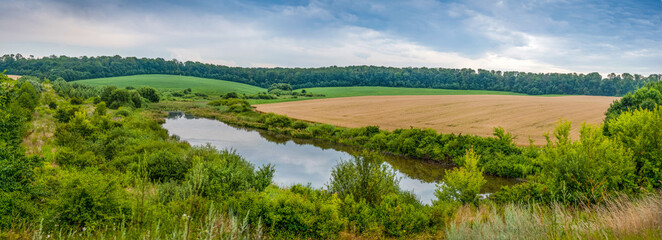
76	68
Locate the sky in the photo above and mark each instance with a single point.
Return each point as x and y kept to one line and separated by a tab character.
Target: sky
533	36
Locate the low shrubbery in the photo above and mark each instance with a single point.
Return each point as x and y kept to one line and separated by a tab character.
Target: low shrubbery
118	174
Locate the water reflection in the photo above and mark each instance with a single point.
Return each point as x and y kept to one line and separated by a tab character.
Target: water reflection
304	160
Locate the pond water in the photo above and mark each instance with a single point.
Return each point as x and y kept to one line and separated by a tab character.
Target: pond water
306	161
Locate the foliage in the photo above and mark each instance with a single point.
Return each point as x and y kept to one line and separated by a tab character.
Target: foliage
88	198
116	97
641	131
647	97
230	95
280	89
223	173
28	96
76	101
100	109
365	178
234	104
149	93
462	184
591	169
72	90
74	68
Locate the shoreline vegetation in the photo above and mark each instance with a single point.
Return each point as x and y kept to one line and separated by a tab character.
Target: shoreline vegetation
111	171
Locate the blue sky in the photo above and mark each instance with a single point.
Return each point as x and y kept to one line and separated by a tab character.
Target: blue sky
535	36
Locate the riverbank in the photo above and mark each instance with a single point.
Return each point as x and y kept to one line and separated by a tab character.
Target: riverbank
499	152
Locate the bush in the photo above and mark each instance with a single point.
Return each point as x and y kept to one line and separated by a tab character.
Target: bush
16	206
67	157
364	177
165	165
641	132
462	184
223	173
234	104
589	170
64	114
299	125
149	93
76	101
89	198
275	120
230	95
100	109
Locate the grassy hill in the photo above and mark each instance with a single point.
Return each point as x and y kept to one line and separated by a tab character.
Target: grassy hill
175	82
216	87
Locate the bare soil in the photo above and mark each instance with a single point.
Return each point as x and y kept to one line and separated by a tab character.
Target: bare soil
15	77
523	116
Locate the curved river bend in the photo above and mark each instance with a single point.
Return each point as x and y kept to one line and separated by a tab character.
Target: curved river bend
306	161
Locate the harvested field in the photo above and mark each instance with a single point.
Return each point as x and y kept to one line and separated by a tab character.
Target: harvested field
15	77
524	116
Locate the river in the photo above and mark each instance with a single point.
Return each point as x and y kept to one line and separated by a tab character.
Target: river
306	161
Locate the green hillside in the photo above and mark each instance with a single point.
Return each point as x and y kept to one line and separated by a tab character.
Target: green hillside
175	82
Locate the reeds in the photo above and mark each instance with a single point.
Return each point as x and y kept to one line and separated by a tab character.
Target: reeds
618	218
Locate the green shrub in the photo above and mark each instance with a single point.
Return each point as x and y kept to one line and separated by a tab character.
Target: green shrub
641	132
363	177
462	184
233	104
223	173
122	112
589	170
76	101
149	94
100	109
28	96
88	198
275	120
230	95
165	165
67	157
299	125
402	214
16	207
64	114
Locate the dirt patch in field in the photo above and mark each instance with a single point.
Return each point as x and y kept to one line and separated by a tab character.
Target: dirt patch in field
15	77
524	116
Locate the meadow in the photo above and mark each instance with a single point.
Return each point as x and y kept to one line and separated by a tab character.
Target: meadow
175	82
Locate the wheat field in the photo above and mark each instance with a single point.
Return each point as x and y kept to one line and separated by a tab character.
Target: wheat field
523	116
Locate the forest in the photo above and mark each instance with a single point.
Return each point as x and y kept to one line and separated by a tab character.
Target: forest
82	162
76	68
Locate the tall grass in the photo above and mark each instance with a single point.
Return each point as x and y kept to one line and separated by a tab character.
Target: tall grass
619	218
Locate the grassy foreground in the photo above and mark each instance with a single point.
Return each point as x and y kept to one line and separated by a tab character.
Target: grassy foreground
116	174
175	82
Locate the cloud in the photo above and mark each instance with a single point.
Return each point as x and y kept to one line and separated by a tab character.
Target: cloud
474	34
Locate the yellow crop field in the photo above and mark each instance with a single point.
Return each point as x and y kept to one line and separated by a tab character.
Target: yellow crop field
523	116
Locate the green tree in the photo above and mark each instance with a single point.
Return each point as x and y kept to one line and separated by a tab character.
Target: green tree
28	96
149	94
